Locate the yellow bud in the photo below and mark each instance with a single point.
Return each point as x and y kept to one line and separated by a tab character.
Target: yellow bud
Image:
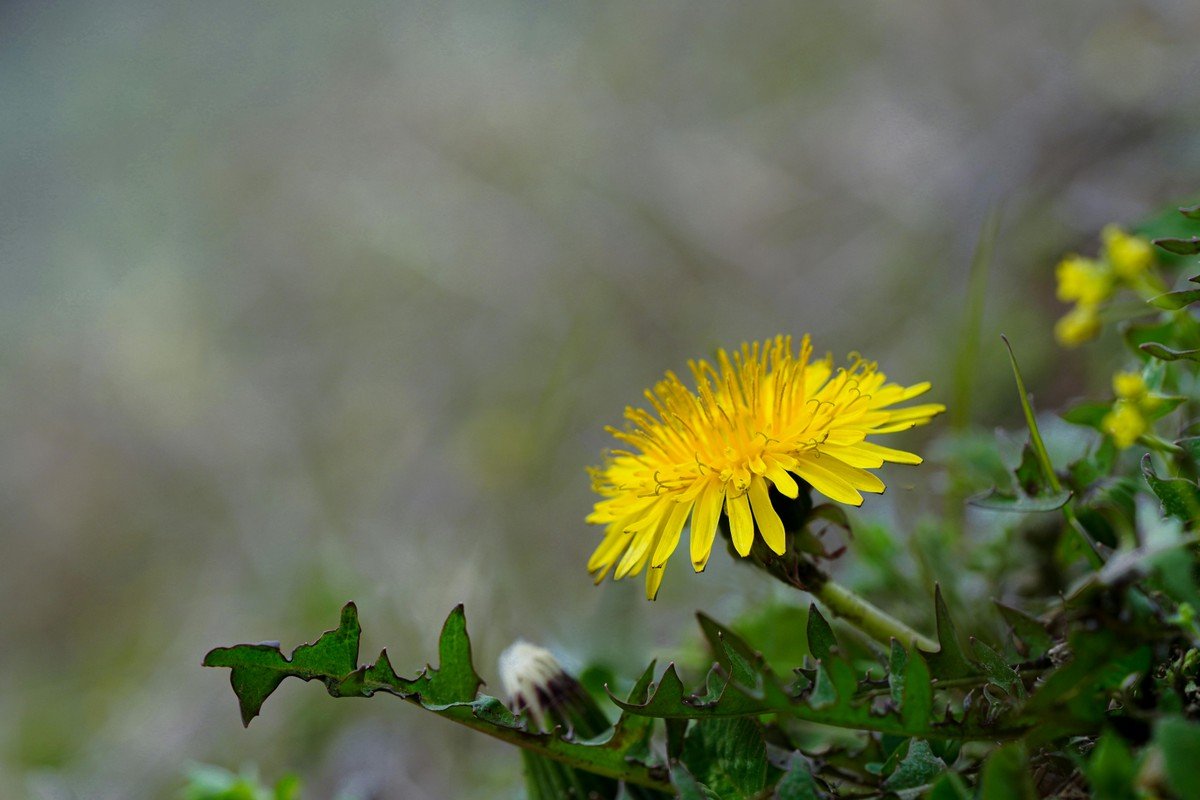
1083	280
1130	256
1129	385
1077	326
1124	424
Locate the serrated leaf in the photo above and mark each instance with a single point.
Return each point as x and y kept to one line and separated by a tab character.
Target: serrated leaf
1032	633
451	691
917	769
950	661
738	660
998	670
727	755
1164	353
1180	498
1180	247
669	698
996	500
256	670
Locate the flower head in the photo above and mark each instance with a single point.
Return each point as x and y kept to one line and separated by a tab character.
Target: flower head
1077	326
1129	385
758	420
1125	423
1083	280
1130	256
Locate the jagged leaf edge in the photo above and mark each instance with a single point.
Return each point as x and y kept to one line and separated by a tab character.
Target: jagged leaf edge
608	754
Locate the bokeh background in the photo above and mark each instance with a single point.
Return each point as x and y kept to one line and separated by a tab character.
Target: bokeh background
306	302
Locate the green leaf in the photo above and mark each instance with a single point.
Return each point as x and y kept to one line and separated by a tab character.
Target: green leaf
1032	633
670	699
1180	247
1111	769
1089	415
258	669
738	660
916	770
1191	212
1180	498
949	661
916	703
1035	436
1164	353
450	691
1179	741
688	787
821	641
798	782
997	500
727	755
1006	775
998	670
949	787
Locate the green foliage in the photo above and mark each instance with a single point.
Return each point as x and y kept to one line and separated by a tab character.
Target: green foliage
206	782
1081	678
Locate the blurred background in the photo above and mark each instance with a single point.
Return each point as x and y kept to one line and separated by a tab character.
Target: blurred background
308	302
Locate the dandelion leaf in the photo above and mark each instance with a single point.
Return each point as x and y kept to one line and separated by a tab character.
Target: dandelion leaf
949	661
1031	633
915	771
1180	498
798	782
451	691
729	756
821	641
256	670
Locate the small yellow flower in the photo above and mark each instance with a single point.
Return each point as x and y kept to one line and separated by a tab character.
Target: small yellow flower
1130	256
1077	326
760	419
1129	386
1124	424
1083	280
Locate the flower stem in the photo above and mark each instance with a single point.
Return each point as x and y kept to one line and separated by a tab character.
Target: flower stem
876	623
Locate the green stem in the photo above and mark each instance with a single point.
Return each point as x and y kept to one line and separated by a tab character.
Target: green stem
875	622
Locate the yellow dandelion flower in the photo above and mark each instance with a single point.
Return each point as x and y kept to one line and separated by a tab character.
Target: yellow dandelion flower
1079	325
1129	386
1124	424
762	418
1083	280
1130	256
